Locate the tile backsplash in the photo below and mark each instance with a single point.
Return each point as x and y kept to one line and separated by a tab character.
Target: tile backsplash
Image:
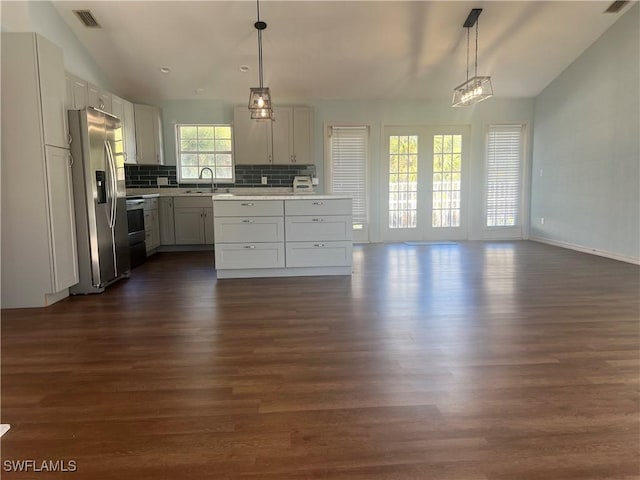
146	176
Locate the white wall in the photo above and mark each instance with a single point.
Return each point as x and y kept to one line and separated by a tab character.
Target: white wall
383	113
377	114
41	17
586	144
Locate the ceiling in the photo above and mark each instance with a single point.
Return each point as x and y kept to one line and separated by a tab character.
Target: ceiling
333	49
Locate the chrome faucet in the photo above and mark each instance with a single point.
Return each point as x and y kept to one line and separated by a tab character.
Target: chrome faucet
213	185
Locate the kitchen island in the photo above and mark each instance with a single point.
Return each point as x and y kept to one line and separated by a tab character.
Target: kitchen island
282	235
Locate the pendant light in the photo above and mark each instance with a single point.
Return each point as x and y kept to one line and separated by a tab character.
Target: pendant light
477	88
260	97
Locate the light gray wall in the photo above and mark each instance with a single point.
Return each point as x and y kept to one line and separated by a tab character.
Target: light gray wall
41	17
586	155
378	114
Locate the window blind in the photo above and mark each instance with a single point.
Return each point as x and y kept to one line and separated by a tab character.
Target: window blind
504	172
349	167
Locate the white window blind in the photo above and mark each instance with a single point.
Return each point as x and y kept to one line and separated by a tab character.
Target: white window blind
349	167
504	173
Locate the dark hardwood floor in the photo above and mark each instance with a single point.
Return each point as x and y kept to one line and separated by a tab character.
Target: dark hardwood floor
477	361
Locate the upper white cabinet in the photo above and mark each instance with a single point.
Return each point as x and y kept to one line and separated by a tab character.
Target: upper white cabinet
130	148
252	139
148	135
123	109
77	92
287	140
99	98
292	135
39	256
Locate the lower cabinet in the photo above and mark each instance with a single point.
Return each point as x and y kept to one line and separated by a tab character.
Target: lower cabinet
193	220
167	226
151	225
256	238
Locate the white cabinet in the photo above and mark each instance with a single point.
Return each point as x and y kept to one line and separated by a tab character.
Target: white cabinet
287	140
130	148
252	139
123	109
77	92
151	225
148	135
319	232
166	218
267	238
39	255
193	220
99	98
292	136
61	217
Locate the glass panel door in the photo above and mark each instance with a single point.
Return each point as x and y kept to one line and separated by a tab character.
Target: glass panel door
423	173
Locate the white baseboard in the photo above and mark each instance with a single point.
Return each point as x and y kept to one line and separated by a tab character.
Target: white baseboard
583	249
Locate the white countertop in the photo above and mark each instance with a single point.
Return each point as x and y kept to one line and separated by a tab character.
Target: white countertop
277	196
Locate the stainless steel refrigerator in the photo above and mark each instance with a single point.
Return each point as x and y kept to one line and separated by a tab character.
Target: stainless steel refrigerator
100	199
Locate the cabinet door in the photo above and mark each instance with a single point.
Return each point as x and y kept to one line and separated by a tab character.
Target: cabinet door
167	229
283	136
208	226
53	92
155	229
117	108
99	98
189	226
252	139
61	218
80	93
146	135
302	135
157	135
129	133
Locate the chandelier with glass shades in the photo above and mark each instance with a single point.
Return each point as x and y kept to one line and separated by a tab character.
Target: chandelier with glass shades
477	88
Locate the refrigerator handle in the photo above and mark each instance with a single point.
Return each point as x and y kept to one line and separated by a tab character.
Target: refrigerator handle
113	184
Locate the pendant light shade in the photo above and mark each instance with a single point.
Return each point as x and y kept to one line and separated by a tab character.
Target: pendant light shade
475	89
472	91
260	97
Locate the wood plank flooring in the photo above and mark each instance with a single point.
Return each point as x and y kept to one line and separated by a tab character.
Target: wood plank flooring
476	361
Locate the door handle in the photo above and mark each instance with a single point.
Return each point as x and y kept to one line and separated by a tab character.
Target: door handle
247	221
317	220
317	203
247	204
318	244
249	246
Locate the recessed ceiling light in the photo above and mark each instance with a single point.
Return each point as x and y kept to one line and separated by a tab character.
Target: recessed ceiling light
165	69
244	68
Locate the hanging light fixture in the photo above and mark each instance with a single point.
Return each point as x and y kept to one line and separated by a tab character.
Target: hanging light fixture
477	88
260	97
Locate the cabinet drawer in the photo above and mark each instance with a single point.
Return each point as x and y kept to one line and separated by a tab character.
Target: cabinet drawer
254	208
192	202
318	227
340	206
249	255
248	229
319	254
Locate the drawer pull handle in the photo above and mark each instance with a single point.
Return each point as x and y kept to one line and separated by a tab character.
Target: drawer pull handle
249	246
318	244
318	203
317	220
247	204
247	221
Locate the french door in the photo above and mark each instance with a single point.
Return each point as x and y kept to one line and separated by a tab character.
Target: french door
424	171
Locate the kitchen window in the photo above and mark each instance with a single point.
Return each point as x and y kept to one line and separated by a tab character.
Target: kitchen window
205	146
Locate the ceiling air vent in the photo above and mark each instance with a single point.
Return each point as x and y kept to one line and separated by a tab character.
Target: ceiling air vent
616	6
87	18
